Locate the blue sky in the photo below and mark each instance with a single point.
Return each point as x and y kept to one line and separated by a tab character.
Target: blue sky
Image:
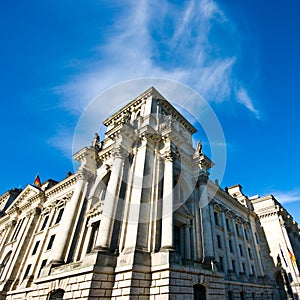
241	56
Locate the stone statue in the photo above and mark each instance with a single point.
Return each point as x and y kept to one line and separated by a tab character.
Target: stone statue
126	117
199	148
95	141
278	260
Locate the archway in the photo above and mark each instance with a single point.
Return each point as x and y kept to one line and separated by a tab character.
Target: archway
56	295
199	292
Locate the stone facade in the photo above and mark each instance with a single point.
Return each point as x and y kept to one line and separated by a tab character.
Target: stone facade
141	219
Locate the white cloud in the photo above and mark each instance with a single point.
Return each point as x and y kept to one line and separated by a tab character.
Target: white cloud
183	42
287	197
243	97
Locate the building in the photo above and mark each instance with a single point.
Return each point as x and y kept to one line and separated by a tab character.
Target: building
141	219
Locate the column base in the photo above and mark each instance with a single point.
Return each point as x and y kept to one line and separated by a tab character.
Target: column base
167	248
101	249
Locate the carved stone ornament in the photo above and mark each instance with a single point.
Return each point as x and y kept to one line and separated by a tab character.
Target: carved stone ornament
84	174
126	117
118	151
202	178
168	155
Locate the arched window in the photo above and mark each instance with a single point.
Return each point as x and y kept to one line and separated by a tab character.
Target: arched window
56	295
103	186
199	292
4	263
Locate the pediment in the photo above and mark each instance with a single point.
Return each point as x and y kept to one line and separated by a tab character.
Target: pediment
25	197
184	212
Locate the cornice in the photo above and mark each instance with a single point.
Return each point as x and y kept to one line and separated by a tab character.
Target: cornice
59	187
216	190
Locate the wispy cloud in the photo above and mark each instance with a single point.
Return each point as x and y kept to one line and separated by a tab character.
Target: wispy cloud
192	42
243	97
287	197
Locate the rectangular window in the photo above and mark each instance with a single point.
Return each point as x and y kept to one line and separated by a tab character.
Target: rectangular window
221	264
241	250
27	271
250	253
256	237
216	218
244	268
45	221
219	242
237	227
252	269
228	224
50	244
44	262
36	246
59	215
246	234
233	265
17	230
230	246
177	239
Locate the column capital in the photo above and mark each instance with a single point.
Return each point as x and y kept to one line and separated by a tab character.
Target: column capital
168	156
202	178
118	151
84	174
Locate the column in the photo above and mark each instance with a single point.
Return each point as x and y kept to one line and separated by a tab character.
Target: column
187	244
207	233
227	248
246	254
257	259
237	250
198	226
9	228
110	201
63	238
87	240
167	235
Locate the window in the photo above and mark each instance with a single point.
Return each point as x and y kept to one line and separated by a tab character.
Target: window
219	242
230	246
221	264
46	217
246	234
228	224
217	219
4	262
59	215
50	244
56	295
241	250
253	270
237	227
44	262
256	237
94	233
17	229
27	271
250	253
233	265
230	295
244	268
177	239
36	246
